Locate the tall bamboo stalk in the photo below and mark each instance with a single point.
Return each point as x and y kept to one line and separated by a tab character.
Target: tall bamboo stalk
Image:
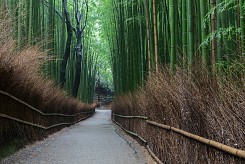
219	39
214	41
19	20
148	33
190	29
30	23
184	32
204	32
155	34
242	25
173	45
224	24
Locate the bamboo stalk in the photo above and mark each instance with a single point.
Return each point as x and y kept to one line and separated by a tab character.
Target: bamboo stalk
153	155
214	41
242	25
140	117
159	125
155	34
173	45
204	33
148	34
190	33
184	32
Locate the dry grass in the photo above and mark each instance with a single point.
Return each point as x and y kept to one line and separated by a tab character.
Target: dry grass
192	102
21	76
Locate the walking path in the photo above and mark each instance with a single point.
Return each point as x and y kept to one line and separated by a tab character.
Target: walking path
94	141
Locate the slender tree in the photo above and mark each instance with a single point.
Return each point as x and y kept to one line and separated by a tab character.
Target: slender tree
79	45
69	29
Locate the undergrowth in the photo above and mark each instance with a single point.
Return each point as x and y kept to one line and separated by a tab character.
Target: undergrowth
194	102
21	76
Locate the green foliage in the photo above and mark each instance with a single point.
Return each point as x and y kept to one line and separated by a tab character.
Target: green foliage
116	38
186	33
11	147
98	43
43	21
228	33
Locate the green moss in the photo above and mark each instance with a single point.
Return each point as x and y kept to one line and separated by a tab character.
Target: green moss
11	147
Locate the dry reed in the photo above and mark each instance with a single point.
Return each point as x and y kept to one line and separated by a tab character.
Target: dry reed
21	76
193	102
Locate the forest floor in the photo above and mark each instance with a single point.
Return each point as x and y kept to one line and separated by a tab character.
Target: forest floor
96	140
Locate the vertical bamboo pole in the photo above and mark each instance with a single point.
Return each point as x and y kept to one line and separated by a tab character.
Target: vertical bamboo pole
155	34
204	32
30	23
214	41
224	23
148	34
219	39
184	32
242	25
190	29
19	19
172	11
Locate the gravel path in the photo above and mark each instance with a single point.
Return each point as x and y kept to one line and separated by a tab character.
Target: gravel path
94	141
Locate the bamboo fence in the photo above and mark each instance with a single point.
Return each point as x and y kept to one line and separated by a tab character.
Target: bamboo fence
40	117
225	148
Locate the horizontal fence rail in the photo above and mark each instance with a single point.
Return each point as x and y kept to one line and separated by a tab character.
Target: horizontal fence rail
132	133
140	117
153	155
220	146
136	135
40	113
228	149
41	126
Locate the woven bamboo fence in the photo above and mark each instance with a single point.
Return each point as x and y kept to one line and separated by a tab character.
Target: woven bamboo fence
139	127
23	117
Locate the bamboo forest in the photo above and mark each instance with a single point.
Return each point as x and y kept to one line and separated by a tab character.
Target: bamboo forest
169	74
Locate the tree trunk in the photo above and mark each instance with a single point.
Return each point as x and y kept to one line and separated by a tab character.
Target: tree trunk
78	47
78	52
68	45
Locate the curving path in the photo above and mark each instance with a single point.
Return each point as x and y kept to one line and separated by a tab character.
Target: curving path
94	141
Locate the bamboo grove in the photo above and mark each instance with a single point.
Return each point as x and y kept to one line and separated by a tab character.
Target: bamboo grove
63	29
144	35
141	36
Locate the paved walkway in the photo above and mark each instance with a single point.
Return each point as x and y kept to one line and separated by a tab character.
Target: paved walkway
94	141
